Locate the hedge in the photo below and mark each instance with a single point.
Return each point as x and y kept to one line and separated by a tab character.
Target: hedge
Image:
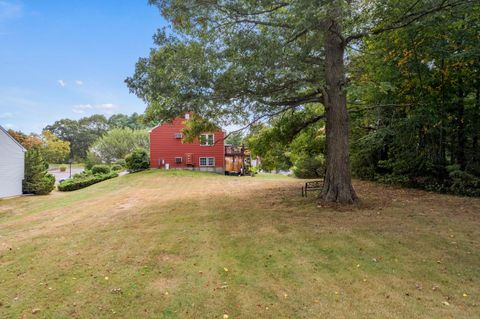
117	168
78	183
100	169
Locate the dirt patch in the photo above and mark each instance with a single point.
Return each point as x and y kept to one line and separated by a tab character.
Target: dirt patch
166	257
162	285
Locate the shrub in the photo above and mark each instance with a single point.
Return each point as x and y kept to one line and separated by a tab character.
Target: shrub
138	160
85	173
309	167
121	162
100	169
82	182
116	167
463	183
63	168
37	180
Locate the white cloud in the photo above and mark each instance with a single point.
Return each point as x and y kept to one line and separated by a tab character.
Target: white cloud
107	108
9	126
81	108
79	82
6	115
61	83
10	10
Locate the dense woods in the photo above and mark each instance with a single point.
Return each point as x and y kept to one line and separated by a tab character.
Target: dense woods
419	92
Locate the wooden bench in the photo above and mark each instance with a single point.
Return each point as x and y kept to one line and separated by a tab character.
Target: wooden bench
311	186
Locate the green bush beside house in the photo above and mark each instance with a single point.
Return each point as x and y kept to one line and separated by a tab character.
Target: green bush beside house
37	180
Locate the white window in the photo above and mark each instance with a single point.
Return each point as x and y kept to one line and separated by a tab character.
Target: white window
207	161
187	116
178	159
206	139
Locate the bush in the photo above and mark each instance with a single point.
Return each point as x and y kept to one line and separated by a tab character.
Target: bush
85	181
117	168
137	161
309	167
121	162
37	180
63	168
45	185
463	183
100	169
83	174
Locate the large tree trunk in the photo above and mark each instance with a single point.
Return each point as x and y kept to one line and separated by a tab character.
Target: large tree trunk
338	182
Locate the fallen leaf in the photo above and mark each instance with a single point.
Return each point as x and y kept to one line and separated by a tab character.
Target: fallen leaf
446	303
225	269
35	310
465	295
106	278
225	316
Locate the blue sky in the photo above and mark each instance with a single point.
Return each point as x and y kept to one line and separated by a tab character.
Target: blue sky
68	59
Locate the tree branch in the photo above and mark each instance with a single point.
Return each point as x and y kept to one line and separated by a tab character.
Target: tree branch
406	19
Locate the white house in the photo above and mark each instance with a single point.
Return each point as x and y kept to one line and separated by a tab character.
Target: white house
12	165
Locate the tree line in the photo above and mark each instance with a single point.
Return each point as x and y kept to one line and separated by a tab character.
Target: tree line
68	139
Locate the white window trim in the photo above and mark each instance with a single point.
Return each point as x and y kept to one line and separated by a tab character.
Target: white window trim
181	160
206	139
206	161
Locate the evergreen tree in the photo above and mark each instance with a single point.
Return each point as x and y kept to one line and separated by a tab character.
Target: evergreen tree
37	180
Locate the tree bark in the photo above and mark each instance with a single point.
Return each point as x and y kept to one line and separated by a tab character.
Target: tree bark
338	182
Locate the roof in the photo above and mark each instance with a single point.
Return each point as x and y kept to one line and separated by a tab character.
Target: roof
16	142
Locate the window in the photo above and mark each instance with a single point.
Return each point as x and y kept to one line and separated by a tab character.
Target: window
178	159
207	161
206	139
178	135
187	116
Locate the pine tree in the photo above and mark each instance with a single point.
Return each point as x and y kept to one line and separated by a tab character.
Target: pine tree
37	180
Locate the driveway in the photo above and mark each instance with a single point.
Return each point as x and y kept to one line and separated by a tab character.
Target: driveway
64	175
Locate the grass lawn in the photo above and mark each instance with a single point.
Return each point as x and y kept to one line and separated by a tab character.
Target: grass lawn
190	245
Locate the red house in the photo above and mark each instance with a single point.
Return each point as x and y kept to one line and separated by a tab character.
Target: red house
167	150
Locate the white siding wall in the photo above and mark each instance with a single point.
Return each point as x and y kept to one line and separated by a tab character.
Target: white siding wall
11	166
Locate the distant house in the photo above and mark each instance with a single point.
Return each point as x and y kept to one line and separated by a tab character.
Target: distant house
167	149
12	165
207	153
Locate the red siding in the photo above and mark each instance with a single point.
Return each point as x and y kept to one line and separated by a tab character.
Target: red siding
164	146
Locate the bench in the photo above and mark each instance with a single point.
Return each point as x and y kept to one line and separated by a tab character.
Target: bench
311	186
